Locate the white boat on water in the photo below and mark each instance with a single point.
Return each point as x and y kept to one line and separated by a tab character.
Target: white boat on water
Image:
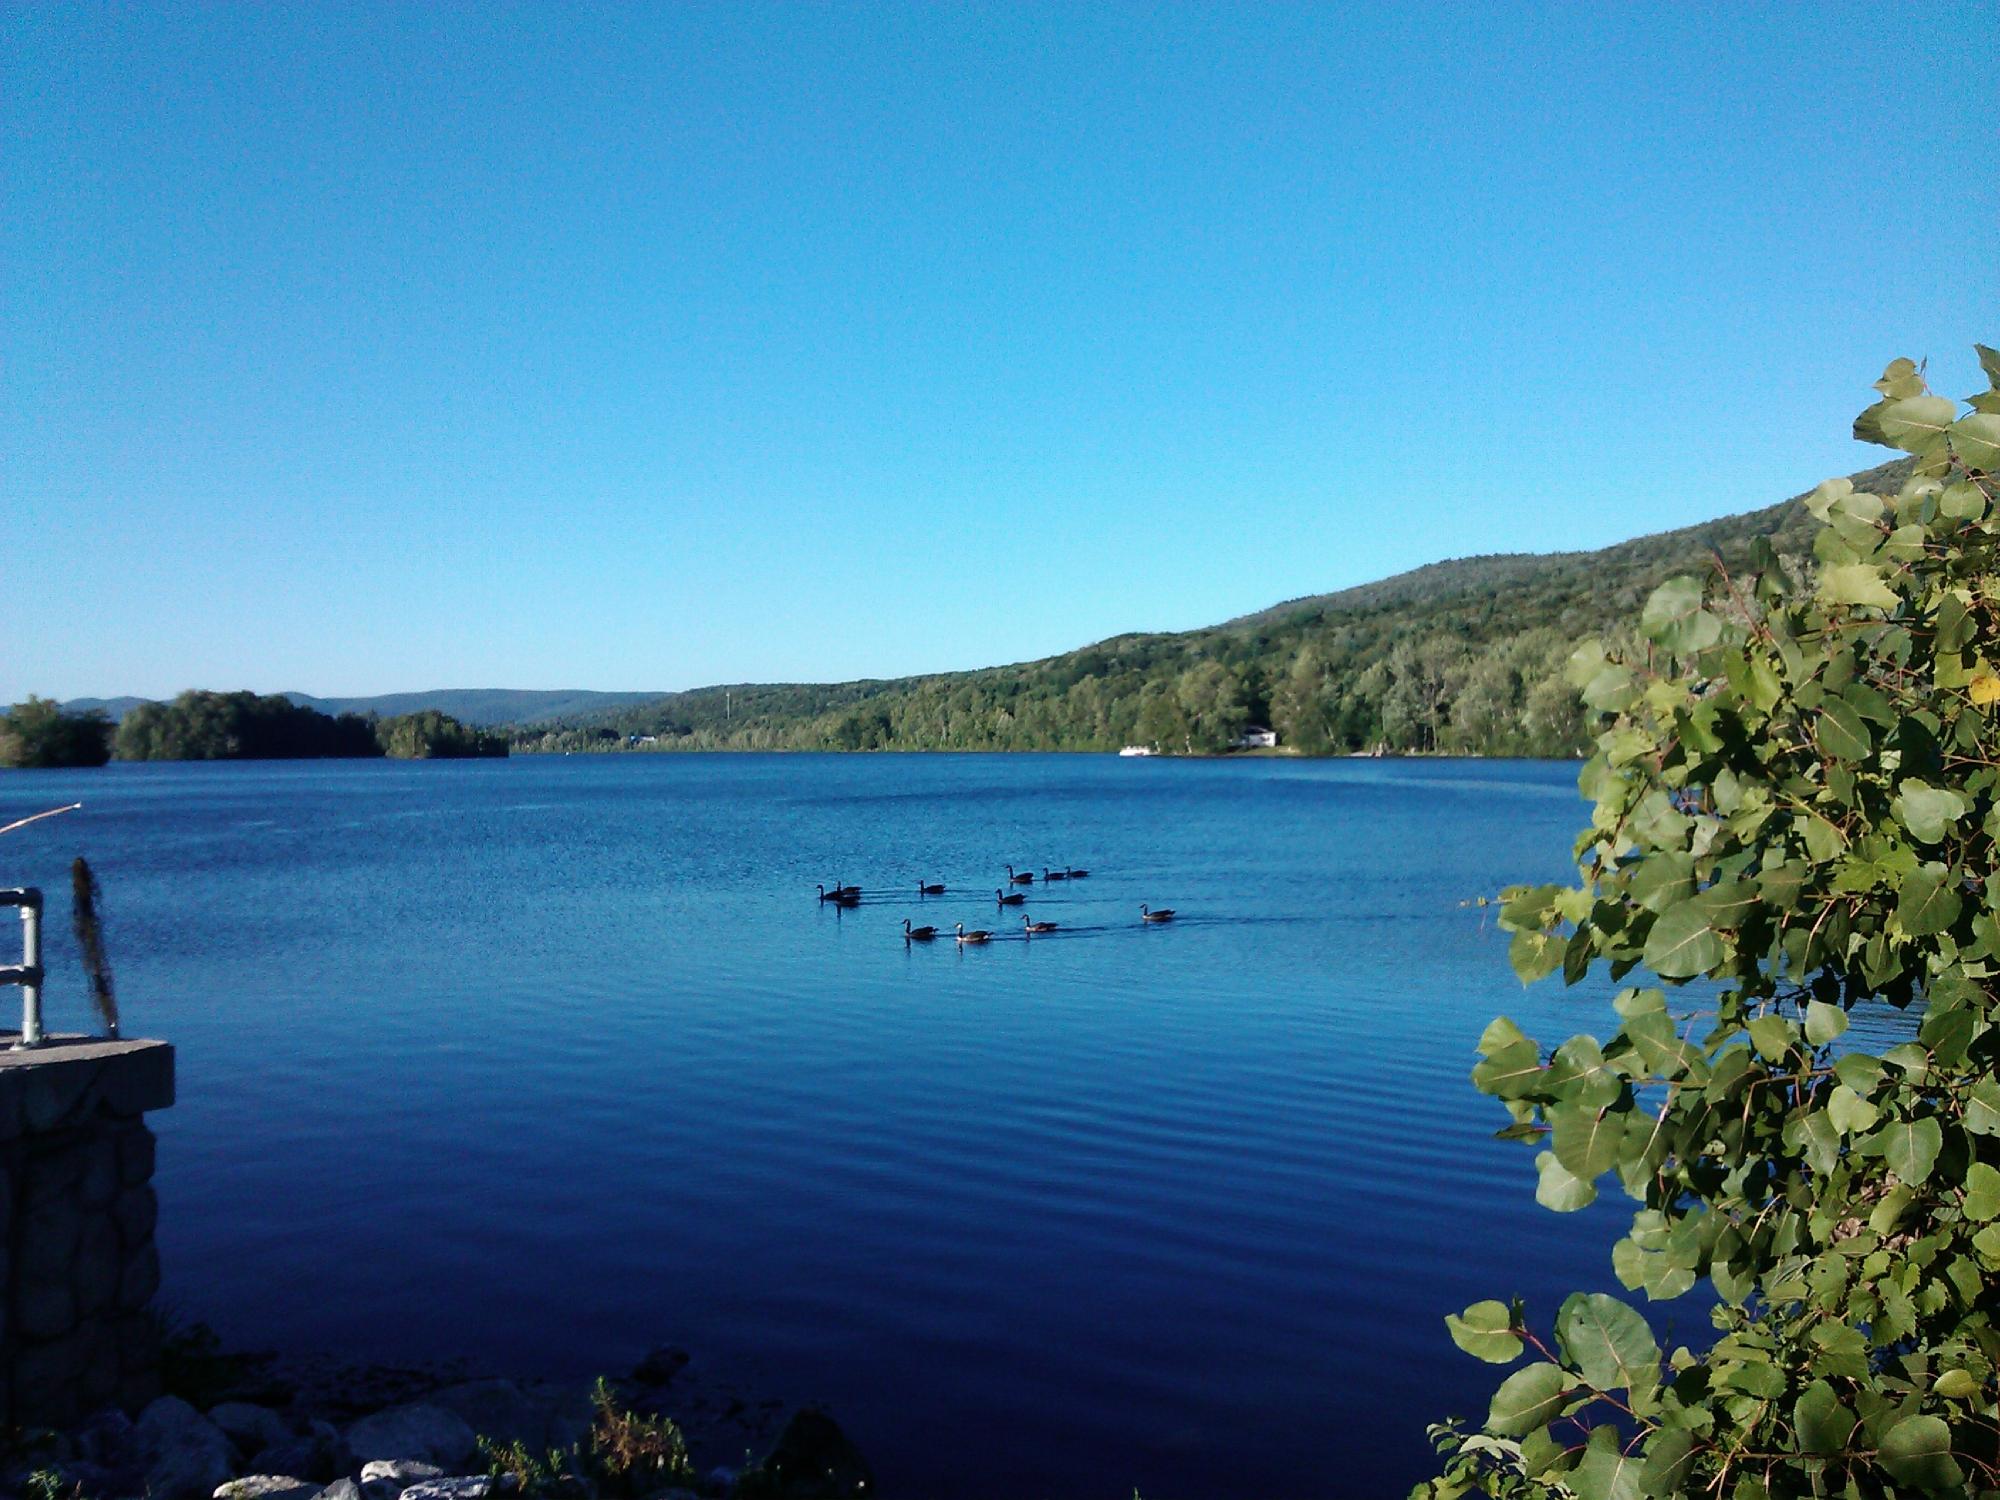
1138	750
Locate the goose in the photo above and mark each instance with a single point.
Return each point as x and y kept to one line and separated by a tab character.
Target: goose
917	934
930	890
1013	879
1164	914
1048	875
1031	926
977	935
1077	874
840	893
1009	898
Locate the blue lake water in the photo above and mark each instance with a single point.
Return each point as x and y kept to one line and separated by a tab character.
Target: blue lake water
547	1061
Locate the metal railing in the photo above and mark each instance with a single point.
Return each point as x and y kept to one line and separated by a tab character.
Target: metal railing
28	973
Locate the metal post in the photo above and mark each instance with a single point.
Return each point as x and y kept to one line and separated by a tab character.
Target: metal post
29	975
31	960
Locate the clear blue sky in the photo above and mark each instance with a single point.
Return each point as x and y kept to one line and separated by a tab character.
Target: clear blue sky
354	350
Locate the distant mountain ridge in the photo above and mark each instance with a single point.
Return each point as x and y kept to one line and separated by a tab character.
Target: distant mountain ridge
1332	672
482	707
1465	655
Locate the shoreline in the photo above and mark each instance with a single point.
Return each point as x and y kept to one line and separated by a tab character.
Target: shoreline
307	1425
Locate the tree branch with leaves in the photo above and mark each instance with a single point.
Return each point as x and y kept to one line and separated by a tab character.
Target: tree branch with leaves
1796	794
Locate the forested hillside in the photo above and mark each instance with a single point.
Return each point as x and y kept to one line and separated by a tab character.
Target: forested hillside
1463	656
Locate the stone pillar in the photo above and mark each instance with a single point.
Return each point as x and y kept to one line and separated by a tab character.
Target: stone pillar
77	1211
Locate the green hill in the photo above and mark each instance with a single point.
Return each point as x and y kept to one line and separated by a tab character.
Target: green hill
1465	655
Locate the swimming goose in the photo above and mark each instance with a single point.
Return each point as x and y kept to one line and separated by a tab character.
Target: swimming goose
1077	874
1009	898
1164	914
1013	879
917	934
977	935
1028	925
930	890
847	895
1048	875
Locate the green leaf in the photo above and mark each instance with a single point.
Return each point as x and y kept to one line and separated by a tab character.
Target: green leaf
1669	1456
1659	1046
1976	440
1963	501
1661	880
1911	1147
1927	904
1650	1271
1824	1022
1917	1451
1842	732
1957	1385
1509	1072
1851	1114
1772	1036
1527	1399
1901	379
1536	955
1823	840
1824	1425
1682	944
1578	1073
1916	424
1674	617
1485	1331
1605	1472
1557	1189
1608	1342
1982	1192
1982	1108
1928	811
1856	584
1587	1139
1987	1243
1728	904
1817	1139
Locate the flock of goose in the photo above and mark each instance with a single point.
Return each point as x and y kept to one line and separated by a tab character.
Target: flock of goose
847	896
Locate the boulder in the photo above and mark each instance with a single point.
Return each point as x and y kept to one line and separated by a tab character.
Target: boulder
266	1487
107	1437
321	1454
540	1416
342	1489
251	1428
812	1459
472	1487
419	1432
402	1472
387	1478
186	1456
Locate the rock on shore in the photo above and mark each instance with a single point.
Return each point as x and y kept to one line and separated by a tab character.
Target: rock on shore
324	1432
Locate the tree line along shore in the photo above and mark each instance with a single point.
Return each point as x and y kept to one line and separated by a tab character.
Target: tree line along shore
230	726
